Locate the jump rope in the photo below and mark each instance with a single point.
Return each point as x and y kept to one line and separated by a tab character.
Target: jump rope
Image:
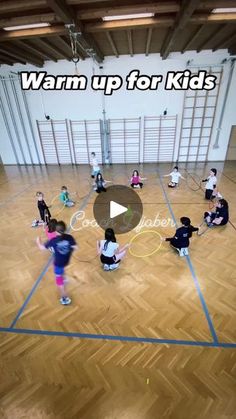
133	239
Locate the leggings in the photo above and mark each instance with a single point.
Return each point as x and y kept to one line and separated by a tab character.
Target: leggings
98	190
137	184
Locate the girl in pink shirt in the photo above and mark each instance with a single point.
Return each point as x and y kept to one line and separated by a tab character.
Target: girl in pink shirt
50	229
136	180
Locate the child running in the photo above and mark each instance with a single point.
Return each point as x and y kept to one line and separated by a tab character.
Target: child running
220	217
136	180
109	252
65	197
44	212
211	183
180	241
175	176
63	245
95	165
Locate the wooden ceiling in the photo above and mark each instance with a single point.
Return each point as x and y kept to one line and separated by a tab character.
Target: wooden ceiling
176	26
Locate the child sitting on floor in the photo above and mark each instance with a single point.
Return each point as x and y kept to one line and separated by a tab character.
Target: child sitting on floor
65	198
108	249
220	216
180	241
100	183
175	176
136	180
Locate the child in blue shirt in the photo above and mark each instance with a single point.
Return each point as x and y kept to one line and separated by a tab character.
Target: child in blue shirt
62	246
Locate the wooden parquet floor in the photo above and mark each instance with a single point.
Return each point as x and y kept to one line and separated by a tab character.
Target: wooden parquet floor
154	339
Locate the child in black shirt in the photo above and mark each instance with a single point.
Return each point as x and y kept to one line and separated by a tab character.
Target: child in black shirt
220	216
100	183
44	212
182	234
43	208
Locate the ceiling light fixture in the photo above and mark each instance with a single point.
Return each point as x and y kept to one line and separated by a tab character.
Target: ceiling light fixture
132	16
29	26
224	10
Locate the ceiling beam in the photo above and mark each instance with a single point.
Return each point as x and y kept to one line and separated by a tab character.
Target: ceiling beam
159	22
130	42
25	46
63	47
39	44
18	54
67	15
12	6
76	2
215	4
5	59
148	42
33	33
112	43
194	37
226	42
53	50
80	51
90	41
187	9
232	50
62	10
215	18
129	24
26	20
216	35
58	49
97	13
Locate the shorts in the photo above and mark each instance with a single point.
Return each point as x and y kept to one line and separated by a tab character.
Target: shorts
69	203
208	194
59	273
172	184
108	260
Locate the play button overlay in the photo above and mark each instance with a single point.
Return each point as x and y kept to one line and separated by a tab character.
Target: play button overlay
120	208
116	209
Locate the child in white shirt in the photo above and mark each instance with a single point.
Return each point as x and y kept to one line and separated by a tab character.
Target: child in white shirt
175	176
109	251
211	182
95	165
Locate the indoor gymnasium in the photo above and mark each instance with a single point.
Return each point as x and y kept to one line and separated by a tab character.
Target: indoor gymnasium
118	209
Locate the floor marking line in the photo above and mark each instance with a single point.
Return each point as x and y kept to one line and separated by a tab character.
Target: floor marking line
35	286
117	338
195	280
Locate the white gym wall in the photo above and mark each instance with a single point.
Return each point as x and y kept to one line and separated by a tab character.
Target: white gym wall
88	105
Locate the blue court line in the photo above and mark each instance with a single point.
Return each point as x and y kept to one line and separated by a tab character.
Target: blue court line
195	280
39	279
31	292
118	338
2	203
